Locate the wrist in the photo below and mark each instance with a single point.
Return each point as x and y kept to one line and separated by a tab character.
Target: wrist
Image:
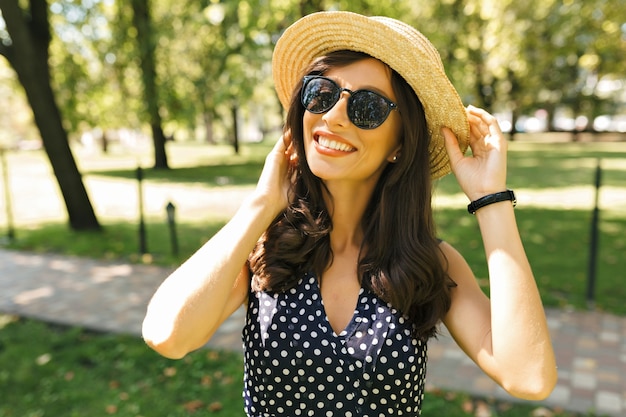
256	205
506	195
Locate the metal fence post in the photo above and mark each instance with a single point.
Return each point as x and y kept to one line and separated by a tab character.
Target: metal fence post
171	221
593	242
143	247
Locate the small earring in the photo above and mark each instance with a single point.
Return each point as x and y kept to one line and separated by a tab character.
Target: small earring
395	158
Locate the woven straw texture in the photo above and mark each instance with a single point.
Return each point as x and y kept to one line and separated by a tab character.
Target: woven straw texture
395	43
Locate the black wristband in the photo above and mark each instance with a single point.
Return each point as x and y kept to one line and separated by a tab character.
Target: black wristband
507	195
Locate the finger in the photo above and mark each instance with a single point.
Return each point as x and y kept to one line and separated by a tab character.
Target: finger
452	145
487	119
280	145
286	138
478	126
290	151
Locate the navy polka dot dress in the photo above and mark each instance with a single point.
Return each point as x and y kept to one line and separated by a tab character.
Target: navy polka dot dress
295	364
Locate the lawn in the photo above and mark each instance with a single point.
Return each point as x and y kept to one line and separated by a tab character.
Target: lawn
53	371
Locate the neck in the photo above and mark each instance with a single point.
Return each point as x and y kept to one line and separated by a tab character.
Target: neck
347	206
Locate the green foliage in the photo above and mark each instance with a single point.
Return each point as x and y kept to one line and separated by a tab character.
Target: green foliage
213	56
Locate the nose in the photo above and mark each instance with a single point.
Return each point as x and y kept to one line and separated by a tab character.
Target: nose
338	114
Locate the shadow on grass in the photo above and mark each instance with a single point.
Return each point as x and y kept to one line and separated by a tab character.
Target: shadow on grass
557	245
119	240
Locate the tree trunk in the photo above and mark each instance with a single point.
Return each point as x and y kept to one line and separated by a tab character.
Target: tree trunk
28	55
145	43
207	117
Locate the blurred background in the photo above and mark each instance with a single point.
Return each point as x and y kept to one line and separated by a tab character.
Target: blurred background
131	130
201	70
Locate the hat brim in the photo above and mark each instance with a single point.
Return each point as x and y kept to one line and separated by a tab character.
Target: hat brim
396	44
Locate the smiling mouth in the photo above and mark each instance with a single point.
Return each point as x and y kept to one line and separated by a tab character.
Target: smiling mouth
334	145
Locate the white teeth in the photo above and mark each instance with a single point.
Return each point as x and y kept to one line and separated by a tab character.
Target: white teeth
328	143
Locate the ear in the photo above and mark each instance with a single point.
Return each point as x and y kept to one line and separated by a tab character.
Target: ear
395	155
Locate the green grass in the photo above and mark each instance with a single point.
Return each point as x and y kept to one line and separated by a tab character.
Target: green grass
119	240
52	371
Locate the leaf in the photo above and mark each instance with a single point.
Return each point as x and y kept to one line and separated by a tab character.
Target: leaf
193	406
542	412
206	381
482	409
215	406
43	359
467	406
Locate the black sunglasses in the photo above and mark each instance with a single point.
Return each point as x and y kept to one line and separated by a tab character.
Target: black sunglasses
366	109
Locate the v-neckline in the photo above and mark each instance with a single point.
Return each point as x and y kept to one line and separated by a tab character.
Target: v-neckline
347	330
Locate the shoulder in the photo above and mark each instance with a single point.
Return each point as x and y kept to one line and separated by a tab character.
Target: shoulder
467	296
454	263
459	271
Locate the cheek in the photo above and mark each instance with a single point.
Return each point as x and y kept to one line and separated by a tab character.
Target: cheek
308	119
396	126
308	124
395	132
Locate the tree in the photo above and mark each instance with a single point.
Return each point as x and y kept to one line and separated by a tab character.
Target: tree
27	52
145	42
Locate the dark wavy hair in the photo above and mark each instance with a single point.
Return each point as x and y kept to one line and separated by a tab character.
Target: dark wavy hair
400	260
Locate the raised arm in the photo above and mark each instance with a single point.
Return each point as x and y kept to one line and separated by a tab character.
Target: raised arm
197	297
506	335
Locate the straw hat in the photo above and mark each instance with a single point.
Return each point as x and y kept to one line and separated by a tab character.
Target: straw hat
396	44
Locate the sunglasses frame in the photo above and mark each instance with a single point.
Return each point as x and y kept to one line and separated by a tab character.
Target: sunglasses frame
337	96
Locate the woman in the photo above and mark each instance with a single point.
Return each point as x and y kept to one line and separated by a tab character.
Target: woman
335	254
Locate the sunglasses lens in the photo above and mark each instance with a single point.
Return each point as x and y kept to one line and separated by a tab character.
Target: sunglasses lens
320	95
367	110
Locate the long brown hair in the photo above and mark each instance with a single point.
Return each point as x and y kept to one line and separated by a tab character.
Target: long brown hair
400	260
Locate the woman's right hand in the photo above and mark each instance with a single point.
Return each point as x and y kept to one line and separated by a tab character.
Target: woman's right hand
274	183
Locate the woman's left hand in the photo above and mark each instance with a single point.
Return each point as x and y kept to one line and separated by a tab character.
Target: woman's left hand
484	172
